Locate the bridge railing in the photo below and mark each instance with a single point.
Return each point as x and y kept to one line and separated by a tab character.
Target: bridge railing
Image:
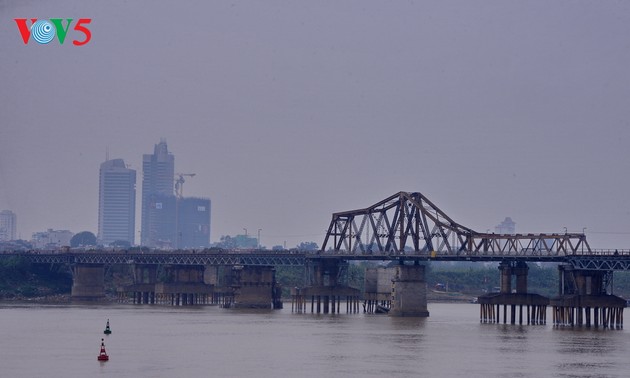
606	252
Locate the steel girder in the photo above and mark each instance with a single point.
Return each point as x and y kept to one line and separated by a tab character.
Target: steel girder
409	222
594	260
600	263
105	257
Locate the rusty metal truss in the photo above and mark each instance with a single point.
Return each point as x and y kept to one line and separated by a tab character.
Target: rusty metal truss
410	224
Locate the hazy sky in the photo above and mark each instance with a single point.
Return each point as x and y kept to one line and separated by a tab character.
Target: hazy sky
288	111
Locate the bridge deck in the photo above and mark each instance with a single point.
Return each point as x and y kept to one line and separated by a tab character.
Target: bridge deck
595	260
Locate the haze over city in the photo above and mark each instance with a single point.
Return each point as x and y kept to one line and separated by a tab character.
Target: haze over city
288	112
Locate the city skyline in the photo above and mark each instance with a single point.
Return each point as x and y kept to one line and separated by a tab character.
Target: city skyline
288	113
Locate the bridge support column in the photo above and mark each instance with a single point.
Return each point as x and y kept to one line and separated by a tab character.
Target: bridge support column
409	291
255	287
220	278
184	286
88	282
506	278
378	289
326	289
513	301
582	294
142	291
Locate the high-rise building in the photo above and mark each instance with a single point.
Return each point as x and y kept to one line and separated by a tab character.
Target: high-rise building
8	225
193	222
158	173
116	202
161	217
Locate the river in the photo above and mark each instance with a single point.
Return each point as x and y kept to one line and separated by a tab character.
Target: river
38	340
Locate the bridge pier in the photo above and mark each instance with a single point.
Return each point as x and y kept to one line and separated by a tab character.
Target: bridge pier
325	299
325	292
88	282
409	291
584	299
377	294
490	304
183	286
220	277
255	287
144	278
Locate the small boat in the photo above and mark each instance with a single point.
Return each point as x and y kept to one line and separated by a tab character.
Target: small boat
381	309
102	356
107	329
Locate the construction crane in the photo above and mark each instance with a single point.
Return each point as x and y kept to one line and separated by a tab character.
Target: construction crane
179	183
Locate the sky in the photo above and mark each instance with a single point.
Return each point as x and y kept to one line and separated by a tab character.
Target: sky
289	111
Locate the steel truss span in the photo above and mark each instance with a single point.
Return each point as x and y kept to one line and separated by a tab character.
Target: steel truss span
167	258
404	227
410	224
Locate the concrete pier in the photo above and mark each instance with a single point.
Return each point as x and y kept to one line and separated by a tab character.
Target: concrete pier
220	277
377	294
183	285
179	285
584	300
513	301
183	294
142	290
327	292
255	287
529	308
88	282
409	291
325	299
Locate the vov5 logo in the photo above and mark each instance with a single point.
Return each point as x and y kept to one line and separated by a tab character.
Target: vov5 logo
44	31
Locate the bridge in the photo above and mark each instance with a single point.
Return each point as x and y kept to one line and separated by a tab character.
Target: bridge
405	227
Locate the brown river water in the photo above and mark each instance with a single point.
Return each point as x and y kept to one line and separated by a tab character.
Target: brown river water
38	340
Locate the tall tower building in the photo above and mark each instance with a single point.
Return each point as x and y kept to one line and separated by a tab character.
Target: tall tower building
506	227
8	225
158	172
116	202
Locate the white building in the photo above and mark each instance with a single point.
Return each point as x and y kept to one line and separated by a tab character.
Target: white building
51	239
8	225
116	202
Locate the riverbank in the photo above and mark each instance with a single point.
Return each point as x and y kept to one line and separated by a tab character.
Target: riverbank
53	298
434	296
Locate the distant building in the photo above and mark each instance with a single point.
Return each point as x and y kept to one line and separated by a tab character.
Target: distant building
179	223
160	218
117	202
506	227
169	220
158	172
193	219
8	225
51	239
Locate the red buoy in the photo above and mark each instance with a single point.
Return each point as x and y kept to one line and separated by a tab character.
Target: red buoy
103	355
